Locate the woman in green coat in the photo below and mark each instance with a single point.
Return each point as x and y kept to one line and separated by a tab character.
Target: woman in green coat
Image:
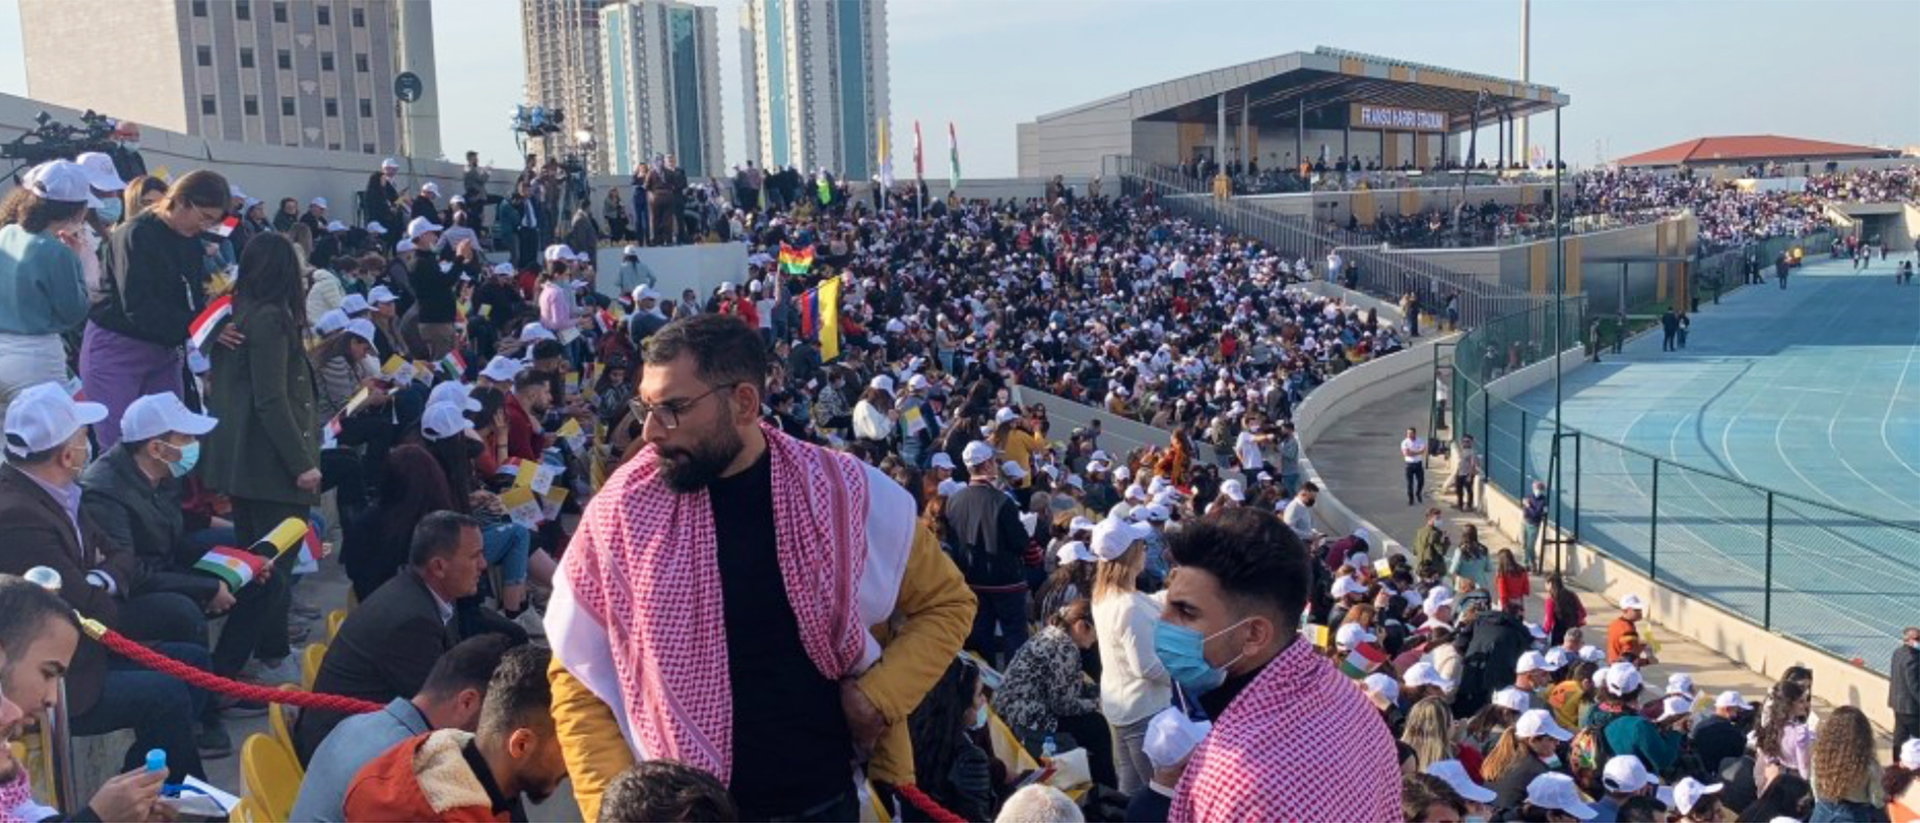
265	454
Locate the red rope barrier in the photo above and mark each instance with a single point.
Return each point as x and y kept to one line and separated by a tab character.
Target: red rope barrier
163	664
926	805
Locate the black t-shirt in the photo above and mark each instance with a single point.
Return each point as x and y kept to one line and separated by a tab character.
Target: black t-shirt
791	746
434	289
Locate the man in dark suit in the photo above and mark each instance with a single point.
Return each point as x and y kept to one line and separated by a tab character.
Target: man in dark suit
379	198
1903	687
47	449
389	643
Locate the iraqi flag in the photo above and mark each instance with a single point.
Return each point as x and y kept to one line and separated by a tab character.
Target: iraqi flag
204	327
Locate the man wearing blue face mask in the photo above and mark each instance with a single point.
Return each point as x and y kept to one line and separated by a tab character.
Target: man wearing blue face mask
133	494
1230	635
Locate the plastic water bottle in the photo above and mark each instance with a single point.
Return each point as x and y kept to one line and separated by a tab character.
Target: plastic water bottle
156	760
1047	748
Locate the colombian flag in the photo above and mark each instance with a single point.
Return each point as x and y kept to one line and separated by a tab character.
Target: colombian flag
795	261
820	317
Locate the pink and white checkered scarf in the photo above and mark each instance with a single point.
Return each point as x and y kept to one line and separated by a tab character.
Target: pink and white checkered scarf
653	580
15	795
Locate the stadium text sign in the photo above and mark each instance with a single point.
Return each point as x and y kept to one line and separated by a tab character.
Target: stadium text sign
1387	117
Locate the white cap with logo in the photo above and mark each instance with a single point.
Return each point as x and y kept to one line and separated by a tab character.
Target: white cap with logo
101	173
354	304
1536	722
61	181
443	420
421	225
1688	792
941	460
1074	551
1513	699
455	392
1455	775
1556	791
976	453
1625	774
159	414
502	368
45	416
1112	537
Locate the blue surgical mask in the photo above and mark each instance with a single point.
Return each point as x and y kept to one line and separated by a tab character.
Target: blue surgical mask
1183	651
110	209
189	457
979	719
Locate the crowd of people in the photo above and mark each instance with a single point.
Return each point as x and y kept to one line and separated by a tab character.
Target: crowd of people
765	539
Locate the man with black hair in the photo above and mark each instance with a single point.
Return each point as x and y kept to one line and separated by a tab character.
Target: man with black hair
450	699
666	790
1230	637
388	645
451	774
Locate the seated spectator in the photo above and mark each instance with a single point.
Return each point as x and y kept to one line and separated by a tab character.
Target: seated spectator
389	643
1046	695
1040	803
38	636
949	765
667	790
450	699
1429	799
376	545
1526	751
454	775
47	448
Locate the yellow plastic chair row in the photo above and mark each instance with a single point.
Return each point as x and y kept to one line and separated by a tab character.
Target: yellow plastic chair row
310	664
270	776
334	619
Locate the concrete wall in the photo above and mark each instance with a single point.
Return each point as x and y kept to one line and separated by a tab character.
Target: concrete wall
700	267
1530	266
1074	143
1840	682
1337	206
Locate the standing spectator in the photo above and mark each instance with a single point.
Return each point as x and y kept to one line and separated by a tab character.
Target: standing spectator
617	219
1134	682
1534	517
1846	771
583	233
381	197
436	284
1492	645
1413	451
1903	687
1470	564
991	545
1466	470
43	264
1279	709
473	183
155	285
1669	329
1565	614
1623	634
1299	512
662	218
265	455
1511	585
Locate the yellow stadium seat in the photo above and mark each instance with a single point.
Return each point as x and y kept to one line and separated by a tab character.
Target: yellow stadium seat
280	721
310	664
334	619
270	776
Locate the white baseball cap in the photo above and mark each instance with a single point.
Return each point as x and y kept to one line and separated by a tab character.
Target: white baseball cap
1558	658
1910	754
1622	678
1157	512
1556	791
727	287
1674	706
1012	470
1425	674
941	460
918	382
534	331
557	251
159	414
1232	489
1344	586
455	392
331	321
1680	683
389	163
1121	473
1074	551
336	226
1731	699
1454	773
1593	654
502	368
45	416
1112	537
1384	690
381	294
1530	662
421	225
881	382
1688	791
1097	466
1080	524
1536	722
1625	774
354	304
976	453
1513	699
503	267
405	244
374	227
100	171
630	251
61	181
443	420
1005	415
948	486
1351	635
318	201
362	327
431	188
1633	601
1171	736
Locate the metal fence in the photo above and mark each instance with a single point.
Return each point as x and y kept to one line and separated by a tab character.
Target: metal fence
1838	580
1385	276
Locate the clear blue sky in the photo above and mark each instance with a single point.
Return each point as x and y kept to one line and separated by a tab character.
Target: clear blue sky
1641	73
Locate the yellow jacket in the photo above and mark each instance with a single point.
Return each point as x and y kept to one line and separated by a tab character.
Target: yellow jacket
932	616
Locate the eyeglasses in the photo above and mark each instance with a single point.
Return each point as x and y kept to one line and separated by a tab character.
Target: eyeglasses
671	410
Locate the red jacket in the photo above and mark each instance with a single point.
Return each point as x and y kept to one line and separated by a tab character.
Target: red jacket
429	777
523	436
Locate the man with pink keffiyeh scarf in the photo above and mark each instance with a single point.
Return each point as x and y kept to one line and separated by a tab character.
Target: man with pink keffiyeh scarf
729	593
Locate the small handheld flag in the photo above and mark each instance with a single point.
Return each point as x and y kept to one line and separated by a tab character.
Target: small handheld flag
1362	660
454	366
236	567
204	327
796	261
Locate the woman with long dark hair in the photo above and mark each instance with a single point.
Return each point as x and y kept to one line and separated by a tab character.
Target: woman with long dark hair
265	454
949	766
1782	740
376	544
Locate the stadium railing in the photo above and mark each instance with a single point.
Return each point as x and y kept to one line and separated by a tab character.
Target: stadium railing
1783	562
